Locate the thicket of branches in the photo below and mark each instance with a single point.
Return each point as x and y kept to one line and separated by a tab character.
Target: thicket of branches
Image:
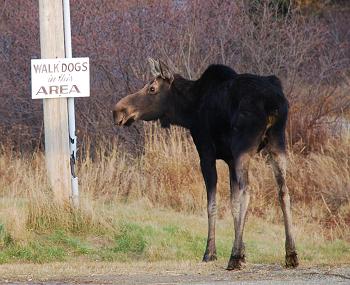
308	51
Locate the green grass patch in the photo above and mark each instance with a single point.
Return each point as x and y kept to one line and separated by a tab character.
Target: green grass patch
323	253
74	244
5	238
130	239
34	252
159	235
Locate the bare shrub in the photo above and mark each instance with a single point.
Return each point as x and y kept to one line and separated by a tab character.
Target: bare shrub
308	51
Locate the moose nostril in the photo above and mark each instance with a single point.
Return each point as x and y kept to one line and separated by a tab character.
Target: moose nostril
115	117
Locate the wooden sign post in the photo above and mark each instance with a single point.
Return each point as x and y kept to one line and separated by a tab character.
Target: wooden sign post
57	151
57	78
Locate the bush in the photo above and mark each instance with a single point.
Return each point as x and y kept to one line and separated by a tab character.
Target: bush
308	51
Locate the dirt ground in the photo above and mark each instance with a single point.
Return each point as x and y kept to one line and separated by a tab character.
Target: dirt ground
170	273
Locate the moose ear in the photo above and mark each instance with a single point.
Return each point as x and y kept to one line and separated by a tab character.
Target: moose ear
165	72
155	69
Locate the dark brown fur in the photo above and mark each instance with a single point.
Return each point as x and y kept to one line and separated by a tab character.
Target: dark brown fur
230	116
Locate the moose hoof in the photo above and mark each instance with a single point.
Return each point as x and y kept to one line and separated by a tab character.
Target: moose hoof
236	262
292	260
209	257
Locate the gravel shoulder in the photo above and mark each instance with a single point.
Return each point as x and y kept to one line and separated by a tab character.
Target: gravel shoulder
171	273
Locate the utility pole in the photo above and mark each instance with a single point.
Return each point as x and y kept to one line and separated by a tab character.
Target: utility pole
71	109
57	151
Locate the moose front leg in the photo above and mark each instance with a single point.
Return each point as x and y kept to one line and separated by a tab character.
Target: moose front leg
208	167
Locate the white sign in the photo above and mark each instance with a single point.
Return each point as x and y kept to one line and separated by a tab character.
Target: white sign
60	77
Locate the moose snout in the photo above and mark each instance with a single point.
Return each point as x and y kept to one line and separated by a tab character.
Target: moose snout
115	117
124	114
118	115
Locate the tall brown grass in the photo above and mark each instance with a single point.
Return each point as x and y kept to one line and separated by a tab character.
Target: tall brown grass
167	175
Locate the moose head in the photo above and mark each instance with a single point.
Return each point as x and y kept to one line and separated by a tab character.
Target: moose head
149	103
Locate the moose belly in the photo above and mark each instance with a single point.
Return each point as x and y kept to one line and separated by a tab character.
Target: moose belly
223	147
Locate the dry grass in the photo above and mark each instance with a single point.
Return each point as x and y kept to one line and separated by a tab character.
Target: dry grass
167	176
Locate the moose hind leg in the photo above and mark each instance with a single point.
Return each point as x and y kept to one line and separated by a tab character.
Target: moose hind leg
278	163
239	204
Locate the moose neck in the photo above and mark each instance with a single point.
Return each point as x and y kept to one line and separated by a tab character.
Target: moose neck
183	103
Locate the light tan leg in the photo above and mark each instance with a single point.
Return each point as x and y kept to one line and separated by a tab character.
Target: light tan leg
239	204
278	163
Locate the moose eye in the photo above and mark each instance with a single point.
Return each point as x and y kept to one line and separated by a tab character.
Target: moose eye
152	89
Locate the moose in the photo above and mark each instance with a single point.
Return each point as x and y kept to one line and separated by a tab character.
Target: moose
231	117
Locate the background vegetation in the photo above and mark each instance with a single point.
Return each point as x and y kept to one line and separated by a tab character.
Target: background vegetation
305	44
152	207
142	191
